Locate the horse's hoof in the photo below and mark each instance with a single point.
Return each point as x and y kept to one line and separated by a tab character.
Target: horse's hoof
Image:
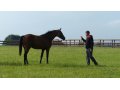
25	63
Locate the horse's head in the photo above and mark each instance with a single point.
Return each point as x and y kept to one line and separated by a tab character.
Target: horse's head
60	34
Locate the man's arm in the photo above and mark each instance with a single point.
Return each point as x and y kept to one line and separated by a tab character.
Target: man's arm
83	39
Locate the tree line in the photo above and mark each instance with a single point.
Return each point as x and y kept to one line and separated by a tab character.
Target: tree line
11	38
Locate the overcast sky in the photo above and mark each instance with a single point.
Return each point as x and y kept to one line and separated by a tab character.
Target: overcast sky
104	25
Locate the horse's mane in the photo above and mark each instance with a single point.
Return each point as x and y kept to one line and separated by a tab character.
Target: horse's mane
47	33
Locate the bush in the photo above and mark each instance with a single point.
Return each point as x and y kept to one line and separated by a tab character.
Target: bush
11	40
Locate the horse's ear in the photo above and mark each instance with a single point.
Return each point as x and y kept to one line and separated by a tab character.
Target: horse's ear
60	29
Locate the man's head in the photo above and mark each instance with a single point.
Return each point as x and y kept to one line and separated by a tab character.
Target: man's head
87	33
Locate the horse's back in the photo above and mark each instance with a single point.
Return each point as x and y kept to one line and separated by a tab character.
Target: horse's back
28	37
36	42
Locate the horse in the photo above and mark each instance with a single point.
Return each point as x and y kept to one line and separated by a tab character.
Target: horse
43	42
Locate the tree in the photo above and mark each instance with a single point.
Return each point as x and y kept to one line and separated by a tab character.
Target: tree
11	40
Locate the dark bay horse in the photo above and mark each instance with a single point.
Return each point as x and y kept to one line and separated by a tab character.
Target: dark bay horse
43	42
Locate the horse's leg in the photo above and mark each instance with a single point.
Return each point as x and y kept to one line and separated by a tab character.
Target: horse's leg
47	54
25	56
41	56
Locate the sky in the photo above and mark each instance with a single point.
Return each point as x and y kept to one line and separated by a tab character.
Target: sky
102	25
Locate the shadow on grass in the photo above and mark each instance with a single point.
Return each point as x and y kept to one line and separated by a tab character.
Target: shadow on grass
10	64
76	65
102	66
69	65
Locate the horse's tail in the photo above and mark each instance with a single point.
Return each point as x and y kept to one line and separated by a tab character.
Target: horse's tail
20	45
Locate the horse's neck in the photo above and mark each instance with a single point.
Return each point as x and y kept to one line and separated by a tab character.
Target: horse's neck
51	36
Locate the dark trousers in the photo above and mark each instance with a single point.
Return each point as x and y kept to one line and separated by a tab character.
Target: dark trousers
89	56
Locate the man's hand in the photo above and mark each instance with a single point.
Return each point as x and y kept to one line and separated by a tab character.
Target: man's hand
81	37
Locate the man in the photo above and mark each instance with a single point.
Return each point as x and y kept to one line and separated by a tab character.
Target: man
89	42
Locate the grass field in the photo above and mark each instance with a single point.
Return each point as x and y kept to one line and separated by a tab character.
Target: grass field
64	62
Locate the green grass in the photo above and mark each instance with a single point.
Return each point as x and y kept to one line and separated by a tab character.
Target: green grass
64	62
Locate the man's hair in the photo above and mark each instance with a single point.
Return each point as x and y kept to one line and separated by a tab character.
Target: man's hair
88	32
